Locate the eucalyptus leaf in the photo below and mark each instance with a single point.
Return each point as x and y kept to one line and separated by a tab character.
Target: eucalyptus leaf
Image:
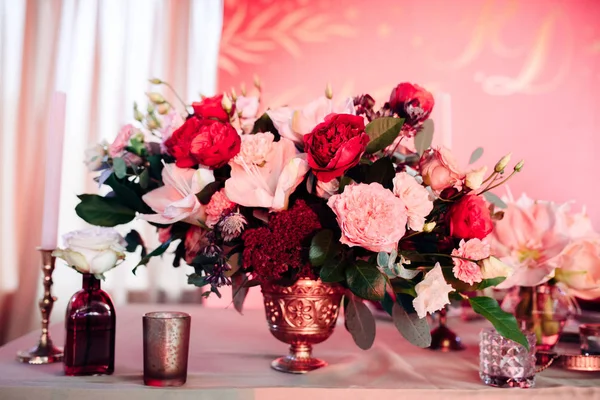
239	291
424	137
103	211
405	273
383	259
359	322
120	167
382	133
494	199
234	263
414	329
476	155
365	280
505	323
320	247
144	179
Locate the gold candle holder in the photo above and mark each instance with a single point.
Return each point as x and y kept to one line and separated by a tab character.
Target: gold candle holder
45	352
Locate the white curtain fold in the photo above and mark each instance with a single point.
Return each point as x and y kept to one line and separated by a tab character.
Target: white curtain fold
100	53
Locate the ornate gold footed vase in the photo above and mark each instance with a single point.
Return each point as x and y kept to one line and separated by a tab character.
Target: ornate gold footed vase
301	315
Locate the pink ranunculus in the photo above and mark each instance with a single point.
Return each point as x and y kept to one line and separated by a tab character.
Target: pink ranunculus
176	200
255	149
293	124
432	292
117	147
529	239
579	268
369	216
440	170
194	241
216	207
416	199
468	271
169	124
270	182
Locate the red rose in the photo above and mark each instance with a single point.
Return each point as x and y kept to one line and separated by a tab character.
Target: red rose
411	102
470	218
335	145
208	142
211	107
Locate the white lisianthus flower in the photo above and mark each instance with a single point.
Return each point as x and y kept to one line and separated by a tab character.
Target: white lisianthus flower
493	267
474	178
92	251
432	292
95	156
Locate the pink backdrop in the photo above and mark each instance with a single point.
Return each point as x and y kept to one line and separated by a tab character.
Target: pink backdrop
523	76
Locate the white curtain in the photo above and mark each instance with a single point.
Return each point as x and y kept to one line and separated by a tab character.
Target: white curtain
100	53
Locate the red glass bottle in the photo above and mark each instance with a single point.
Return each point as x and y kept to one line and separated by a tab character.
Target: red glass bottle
90	330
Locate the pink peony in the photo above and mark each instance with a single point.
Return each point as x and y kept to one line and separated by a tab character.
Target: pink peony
440	170
194	241
117	147
255	149
216	207
465	270
369	216
416	199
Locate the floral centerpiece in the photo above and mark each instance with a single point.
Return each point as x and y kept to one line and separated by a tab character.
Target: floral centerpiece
330	192
555	254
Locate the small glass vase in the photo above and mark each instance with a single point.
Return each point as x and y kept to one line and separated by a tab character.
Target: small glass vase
543	310
90	331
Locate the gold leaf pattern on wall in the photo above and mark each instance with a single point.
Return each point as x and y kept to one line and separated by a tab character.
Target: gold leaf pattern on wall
247	39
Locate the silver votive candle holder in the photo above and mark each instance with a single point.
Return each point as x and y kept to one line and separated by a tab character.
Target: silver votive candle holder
589	339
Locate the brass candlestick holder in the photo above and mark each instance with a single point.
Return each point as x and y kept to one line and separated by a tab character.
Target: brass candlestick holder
443	338
45	352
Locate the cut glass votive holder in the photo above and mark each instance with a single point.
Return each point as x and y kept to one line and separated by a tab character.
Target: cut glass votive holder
505	363
589	338
166	348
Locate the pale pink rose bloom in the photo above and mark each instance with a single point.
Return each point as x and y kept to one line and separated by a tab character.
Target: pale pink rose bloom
247	106
370	216
327	189
194	241
432	292
255	149
171	121
528	238
575	225
468	271
579	268
474	178
416	199
270	184
176	200
293	123
164	234
216	207
440	170
117	147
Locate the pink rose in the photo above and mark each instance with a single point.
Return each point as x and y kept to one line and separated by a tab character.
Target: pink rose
416	199
216	207
247	106
468	271
370	216
579	268
194	240
122	140
440	170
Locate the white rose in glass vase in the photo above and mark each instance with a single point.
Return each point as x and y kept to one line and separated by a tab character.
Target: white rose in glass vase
92	251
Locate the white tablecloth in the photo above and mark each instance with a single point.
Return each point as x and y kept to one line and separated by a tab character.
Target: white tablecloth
230	356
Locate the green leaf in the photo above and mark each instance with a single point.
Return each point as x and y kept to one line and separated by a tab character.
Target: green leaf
365	280
134	239
414	329
424	137
119	167
387	303
494	199
156	252
382	171
476	155
125	193
264	124
486	283
144	179
239	291
505	323
234	263
359	322
207	192
197	280
103	211
320	247
345	181
382	133
333	270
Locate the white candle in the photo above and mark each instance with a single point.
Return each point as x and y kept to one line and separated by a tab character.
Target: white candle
54	146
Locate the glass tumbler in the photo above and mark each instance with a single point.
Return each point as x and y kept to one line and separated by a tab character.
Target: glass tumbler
166	348
505	363
589	335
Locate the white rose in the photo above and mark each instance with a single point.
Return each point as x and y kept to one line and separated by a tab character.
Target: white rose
432	292
92	251
492	268
474	179
95	156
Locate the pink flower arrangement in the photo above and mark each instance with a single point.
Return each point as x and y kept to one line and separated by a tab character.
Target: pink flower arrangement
465	269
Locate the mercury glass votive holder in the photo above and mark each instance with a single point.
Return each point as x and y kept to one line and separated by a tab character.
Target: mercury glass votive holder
589	338
166	348
505	363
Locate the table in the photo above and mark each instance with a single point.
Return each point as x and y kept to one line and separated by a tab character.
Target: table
230	356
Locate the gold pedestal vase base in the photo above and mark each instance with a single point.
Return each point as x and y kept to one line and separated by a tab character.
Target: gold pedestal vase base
299	361
41	354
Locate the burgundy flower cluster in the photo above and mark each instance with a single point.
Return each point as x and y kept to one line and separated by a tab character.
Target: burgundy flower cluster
281	246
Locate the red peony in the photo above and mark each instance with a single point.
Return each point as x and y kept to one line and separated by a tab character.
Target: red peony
411	102
470	218
283	245
208	142
335	145
211	107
